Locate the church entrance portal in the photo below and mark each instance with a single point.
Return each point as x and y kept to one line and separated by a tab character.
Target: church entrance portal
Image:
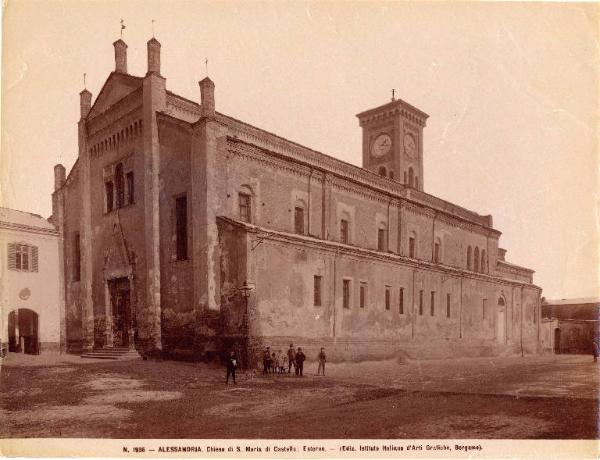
122	319
23	327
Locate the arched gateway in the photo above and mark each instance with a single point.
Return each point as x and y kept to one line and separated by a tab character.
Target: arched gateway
23	331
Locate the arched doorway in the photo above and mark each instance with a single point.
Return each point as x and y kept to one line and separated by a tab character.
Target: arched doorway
23	327
557	341
501	321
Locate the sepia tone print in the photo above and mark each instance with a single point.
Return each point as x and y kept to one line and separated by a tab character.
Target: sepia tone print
200	277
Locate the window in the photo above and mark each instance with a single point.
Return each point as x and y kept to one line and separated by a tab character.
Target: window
432	307
344	231
484	308
346	293
77	257
411	247
483	262
381	239
405	177
469	258
181	239
363	295
436	251
245	207
22	257
317	290
130	188
447	305
421	302
411	177
388	295
476	259
120	185
110	190
299	220
382	171
391	174
401	301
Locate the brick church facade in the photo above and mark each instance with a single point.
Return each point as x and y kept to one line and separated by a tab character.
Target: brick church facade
185	231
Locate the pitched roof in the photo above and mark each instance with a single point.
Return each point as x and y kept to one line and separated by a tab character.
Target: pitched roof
23	218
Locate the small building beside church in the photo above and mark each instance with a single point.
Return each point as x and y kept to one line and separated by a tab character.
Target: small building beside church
575	324
32	319
186	231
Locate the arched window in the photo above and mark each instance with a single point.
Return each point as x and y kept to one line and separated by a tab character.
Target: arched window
411	177
476	259
382	171
120	185
412	245
345	228
483	262
109	189
417	183
381	237
469	258
405	179
437	250
391	173
245	204
501	302
299	217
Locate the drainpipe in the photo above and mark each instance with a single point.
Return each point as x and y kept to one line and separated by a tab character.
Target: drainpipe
433	239
387	236
308	203
413	308
522	353
334	291
460	310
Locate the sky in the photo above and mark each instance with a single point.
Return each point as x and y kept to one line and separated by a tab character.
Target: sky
511	89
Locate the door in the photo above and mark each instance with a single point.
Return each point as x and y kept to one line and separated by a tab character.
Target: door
557	341
121	311
501	325
23	331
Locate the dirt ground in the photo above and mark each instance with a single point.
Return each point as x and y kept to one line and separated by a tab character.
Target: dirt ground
549	397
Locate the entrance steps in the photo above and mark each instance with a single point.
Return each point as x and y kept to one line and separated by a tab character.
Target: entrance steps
112	353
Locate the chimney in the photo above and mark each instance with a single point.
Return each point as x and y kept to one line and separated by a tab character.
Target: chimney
59	176
120	56
154	56
85	103
207	97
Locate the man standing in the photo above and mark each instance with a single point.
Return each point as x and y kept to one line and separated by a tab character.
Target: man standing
231	365
322	358
266	360
300	357
291	357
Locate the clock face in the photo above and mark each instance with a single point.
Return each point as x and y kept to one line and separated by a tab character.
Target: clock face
410	146
381	145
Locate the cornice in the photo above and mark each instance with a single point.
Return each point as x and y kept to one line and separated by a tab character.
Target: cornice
28	229
336	247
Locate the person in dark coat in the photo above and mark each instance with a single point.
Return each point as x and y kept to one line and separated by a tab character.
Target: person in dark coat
291	357
322	358
266	360
594	349
231	366
300	357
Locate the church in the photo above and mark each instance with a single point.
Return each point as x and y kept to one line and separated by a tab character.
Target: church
185	232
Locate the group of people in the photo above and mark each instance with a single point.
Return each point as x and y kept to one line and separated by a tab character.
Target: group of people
282	363
277	362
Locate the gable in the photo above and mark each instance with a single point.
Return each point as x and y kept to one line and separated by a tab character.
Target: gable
116	87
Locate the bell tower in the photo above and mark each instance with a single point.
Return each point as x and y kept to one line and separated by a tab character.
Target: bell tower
393	142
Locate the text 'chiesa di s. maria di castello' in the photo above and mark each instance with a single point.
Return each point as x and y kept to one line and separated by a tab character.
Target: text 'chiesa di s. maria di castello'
185	232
